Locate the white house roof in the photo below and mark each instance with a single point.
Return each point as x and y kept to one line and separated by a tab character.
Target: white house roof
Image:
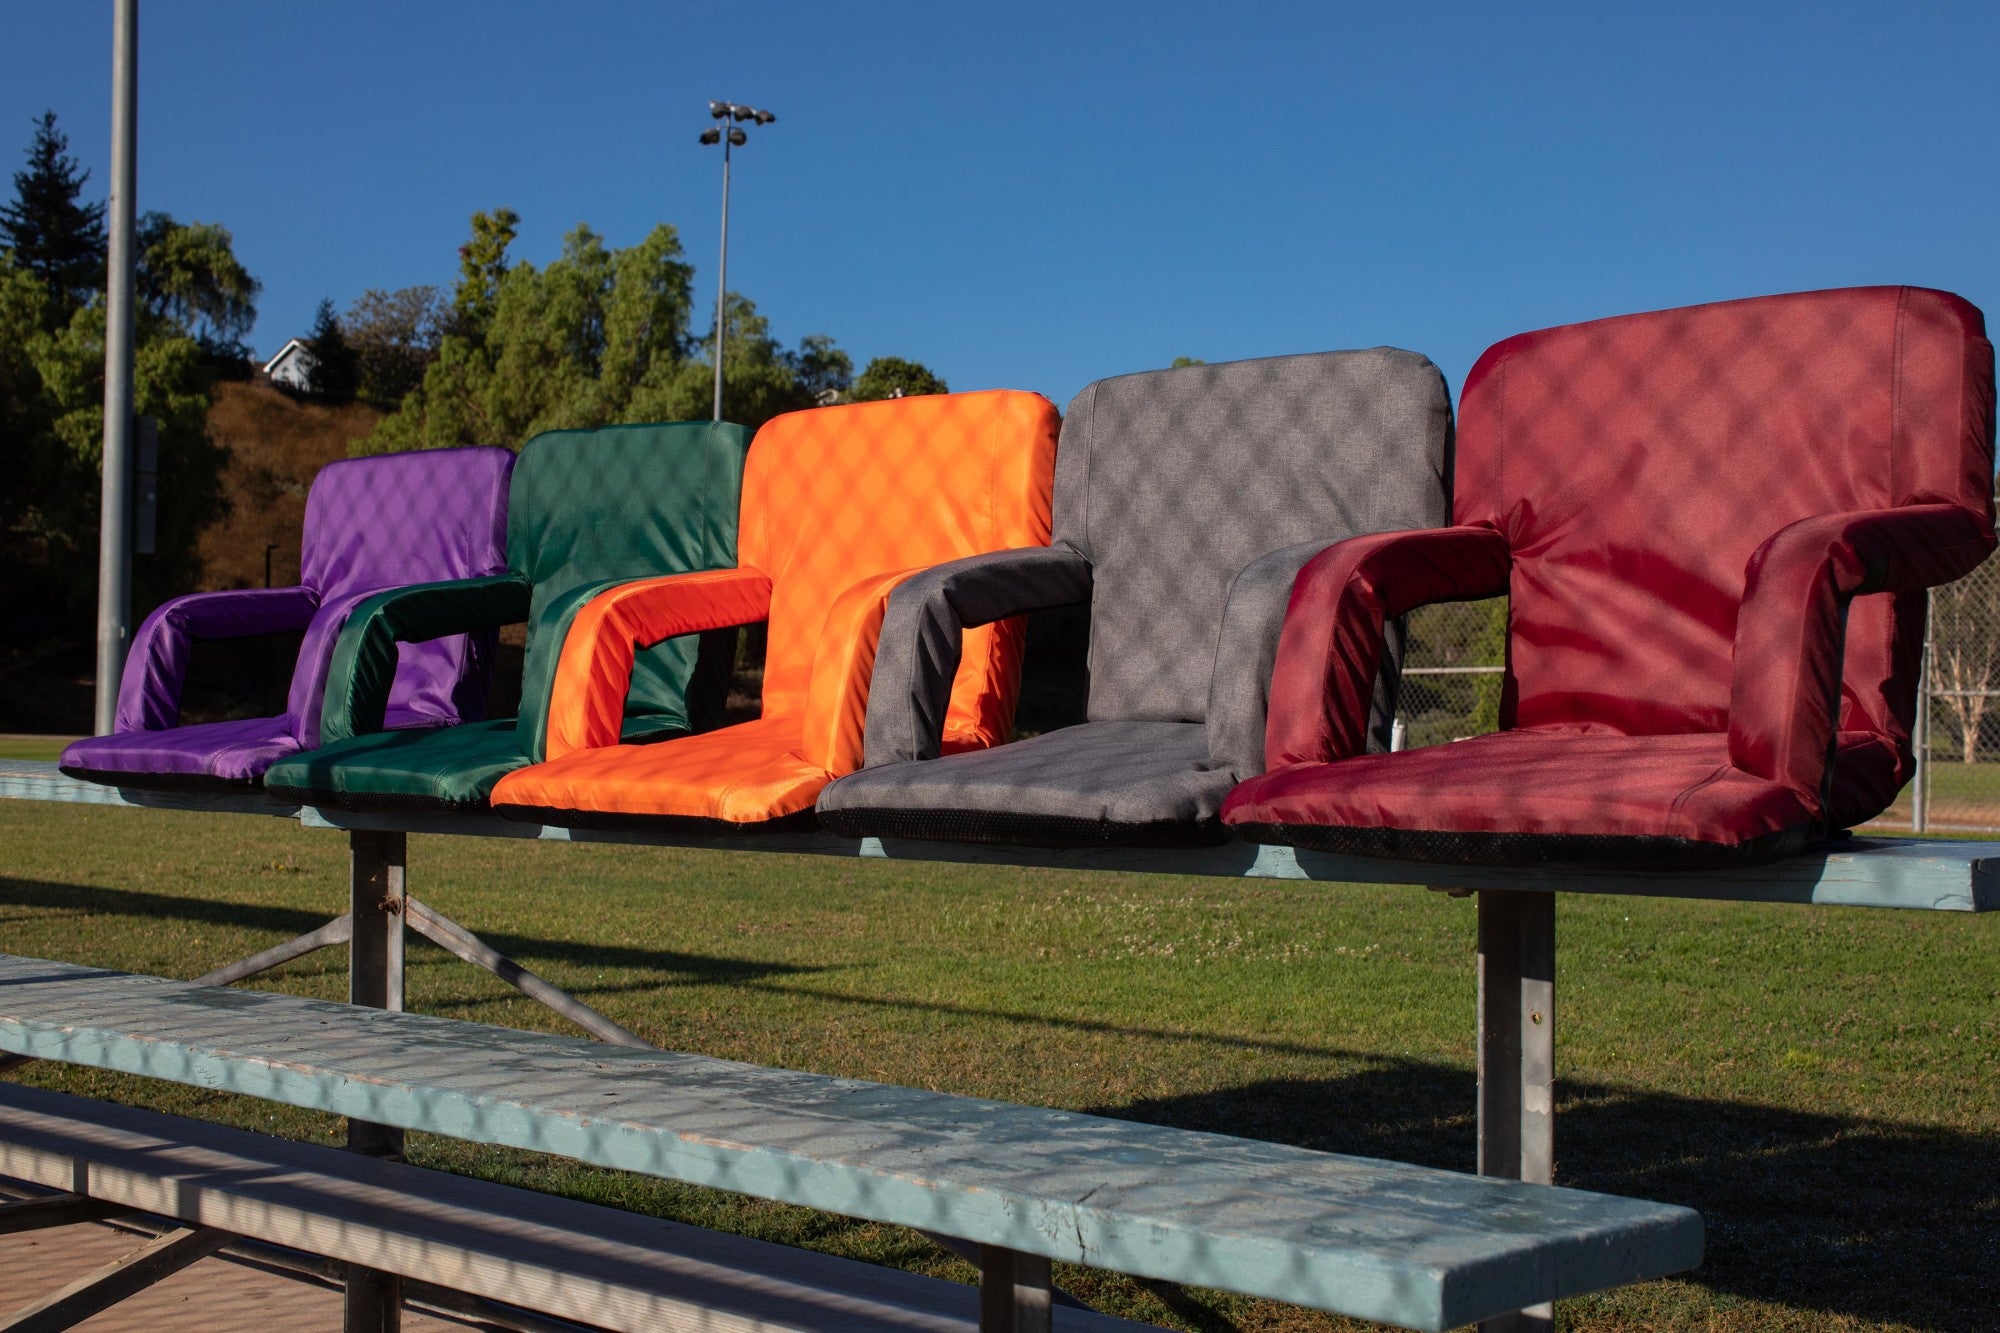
295	347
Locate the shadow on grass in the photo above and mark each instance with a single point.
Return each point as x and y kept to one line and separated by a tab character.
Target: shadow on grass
1855	1217
1228	1040
288	921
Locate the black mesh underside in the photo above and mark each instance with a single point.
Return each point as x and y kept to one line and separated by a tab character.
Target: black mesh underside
991	826
373	802
162	781
1445	847
801	821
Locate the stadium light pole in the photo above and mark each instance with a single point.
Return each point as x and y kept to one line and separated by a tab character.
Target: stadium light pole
730	135
114	523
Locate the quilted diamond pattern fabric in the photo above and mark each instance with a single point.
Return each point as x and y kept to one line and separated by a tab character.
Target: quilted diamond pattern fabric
1689	504
370	524
1172	481
839	505
1191	497
590	511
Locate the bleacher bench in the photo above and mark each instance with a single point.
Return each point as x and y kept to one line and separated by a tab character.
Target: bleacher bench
1416	1246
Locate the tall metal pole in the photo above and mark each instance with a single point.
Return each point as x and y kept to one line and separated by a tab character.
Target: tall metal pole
722	274
114	539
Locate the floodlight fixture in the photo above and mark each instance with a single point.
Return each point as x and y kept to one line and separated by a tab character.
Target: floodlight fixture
729	136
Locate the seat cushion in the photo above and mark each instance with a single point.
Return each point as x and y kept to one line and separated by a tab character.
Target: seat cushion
1117	783
442	768
740	778
202	754
1548	794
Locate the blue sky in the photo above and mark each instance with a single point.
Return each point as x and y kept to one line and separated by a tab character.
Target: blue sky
1035	195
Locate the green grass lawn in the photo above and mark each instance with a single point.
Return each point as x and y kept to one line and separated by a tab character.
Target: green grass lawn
32	747
1822	1084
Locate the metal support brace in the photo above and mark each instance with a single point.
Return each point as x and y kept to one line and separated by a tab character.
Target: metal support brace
1517	1043
1014	1291
111	1284
54	1210
337	931
457	940
378	895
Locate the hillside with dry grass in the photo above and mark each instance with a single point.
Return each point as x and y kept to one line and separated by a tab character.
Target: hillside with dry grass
276	445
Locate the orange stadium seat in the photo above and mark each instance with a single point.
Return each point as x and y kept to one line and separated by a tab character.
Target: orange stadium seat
840	504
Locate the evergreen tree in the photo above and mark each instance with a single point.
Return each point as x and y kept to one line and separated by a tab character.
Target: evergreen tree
52	235
335	374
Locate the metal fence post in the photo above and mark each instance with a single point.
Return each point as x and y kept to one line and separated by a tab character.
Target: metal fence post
1920	789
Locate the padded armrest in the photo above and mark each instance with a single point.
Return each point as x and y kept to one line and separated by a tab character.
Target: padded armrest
1784	694
149	691
1246	649
1330	650
364	659
921	637
594	672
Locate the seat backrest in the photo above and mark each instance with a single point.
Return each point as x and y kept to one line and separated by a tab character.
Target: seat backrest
837	495
388	521
595	507
1170	481
1635	464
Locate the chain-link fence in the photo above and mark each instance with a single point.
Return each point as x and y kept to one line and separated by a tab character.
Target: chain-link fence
1957	787
1451	689
1451	673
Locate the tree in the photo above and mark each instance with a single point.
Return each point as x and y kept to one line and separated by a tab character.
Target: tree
893	377
189	276
600	335
760	379
333	367
1180	361
54	236
195	300
395	337
52	426
824	372
482	263
29	448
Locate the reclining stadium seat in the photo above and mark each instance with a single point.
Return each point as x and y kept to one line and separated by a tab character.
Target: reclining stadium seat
840	504
1685	508
370	524
1186	500
591	509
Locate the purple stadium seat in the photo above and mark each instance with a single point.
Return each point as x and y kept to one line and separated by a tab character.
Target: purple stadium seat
371	524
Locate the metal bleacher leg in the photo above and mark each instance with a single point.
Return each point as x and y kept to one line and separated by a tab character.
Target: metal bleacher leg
377	894
1014	1292
1517	1044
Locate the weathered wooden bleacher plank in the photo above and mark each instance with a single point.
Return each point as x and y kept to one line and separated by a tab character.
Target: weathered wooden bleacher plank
596	1265
1408	1245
